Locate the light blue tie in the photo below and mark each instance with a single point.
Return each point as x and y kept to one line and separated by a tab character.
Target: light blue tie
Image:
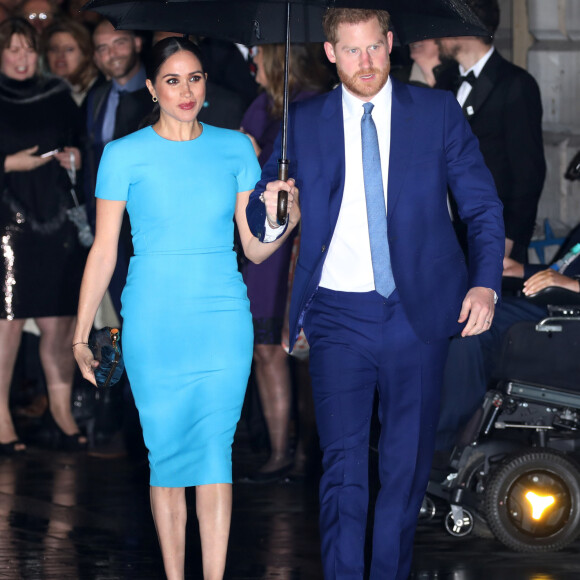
376	210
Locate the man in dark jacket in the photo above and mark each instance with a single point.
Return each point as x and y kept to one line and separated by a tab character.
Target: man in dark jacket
502	104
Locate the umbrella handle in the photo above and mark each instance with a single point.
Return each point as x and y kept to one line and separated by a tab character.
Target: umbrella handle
282	209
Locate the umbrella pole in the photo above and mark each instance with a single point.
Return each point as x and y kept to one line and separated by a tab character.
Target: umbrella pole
283	163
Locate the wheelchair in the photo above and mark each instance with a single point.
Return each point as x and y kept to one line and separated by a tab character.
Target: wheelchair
515	471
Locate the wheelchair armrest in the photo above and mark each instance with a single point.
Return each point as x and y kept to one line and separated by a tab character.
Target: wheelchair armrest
555	296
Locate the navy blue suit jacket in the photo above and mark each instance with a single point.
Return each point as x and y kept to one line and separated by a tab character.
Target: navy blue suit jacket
432	147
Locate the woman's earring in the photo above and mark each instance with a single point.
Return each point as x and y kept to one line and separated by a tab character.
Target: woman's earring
154	99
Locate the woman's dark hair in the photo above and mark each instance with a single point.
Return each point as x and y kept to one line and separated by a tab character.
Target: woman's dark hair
87	70
165	49
13	26
160	52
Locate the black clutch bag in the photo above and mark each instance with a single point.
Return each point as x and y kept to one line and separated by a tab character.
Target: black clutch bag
106	350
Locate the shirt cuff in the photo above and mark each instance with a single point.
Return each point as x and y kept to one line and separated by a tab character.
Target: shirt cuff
272	234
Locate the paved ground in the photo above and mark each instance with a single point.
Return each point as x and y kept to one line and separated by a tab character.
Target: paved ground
66	516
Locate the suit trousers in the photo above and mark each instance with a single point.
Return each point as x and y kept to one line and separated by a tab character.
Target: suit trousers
361	343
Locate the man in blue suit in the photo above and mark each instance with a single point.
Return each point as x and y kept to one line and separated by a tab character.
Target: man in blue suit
381	282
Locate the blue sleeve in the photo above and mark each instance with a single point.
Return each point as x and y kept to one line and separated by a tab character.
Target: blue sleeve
113	177
249	172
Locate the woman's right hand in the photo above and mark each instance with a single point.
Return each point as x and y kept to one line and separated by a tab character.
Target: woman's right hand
270	199
87	363
25	160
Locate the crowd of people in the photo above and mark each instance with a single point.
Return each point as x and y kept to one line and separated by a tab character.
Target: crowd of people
138	127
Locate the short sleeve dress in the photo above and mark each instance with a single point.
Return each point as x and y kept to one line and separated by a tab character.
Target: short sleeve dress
187	329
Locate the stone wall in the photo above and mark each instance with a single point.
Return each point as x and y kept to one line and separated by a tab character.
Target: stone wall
554	60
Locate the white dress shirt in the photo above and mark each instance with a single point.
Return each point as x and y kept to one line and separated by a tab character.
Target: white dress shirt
348	266
476	69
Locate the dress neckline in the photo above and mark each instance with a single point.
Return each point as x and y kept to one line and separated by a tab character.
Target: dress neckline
173	141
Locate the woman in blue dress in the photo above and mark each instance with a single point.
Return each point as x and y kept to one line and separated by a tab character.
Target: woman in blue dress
187	330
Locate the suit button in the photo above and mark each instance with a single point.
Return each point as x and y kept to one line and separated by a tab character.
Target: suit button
323	249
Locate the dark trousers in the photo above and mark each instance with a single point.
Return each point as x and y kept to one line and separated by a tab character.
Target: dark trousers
361	342
470	367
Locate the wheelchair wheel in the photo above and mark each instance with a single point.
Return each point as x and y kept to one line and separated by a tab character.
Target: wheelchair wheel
459	527
532	502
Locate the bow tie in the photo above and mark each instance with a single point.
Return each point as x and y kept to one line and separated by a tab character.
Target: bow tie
468	78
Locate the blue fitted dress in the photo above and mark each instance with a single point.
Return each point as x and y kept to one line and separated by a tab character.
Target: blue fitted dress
187	330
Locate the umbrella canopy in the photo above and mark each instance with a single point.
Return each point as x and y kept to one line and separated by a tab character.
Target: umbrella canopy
247	22
253	22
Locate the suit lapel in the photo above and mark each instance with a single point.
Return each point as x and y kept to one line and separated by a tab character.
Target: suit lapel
331	136
485	83
402	139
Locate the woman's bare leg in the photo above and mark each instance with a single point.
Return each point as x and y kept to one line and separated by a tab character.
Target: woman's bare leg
10	336
59	365
170	515
273	379
214	513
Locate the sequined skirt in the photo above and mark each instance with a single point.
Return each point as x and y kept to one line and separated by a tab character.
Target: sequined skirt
40	273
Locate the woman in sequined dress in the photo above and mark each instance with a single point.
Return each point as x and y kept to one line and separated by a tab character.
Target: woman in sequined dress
41	260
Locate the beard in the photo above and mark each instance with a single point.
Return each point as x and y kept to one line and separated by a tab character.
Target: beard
364	89
119	67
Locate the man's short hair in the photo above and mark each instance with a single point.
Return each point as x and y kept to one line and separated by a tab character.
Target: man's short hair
335	16
106	24
488	12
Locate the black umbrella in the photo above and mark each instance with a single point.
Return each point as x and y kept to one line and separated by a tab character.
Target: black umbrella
253	22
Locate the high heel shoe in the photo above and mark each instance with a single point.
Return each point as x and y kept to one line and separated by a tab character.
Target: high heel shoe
9	449
56	438
73	442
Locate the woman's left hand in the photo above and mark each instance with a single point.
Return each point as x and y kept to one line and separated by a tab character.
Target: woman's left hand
64	158
86	361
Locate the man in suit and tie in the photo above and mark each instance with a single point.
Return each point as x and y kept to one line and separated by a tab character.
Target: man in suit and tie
502	104
381	282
